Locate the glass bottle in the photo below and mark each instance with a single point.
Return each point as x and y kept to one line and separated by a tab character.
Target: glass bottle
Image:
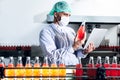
28	71
45	68
62	69
98	62
54	68
107	65
114	65
10	72
20	71
81	32
37	72
91	72
79	70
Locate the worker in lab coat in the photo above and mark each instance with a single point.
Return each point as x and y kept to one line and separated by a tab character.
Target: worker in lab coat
58	40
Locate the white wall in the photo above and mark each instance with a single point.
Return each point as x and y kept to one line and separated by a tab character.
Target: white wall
22	20
96	7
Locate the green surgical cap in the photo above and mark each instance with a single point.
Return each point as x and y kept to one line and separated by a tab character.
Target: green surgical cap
61	6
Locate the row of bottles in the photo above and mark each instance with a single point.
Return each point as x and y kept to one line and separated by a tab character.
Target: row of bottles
112	69
36	70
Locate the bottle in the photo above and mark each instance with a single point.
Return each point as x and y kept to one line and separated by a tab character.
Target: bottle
54	68
20	71
81	32
45	68
79	70
98	62
114	71
37	72
28	71
10	72
107	65
91	72
62	69
2	63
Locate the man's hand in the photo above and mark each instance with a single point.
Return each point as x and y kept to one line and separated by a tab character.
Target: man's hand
90	48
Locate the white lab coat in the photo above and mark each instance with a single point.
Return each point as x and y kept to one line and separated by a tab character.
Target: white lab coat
57	40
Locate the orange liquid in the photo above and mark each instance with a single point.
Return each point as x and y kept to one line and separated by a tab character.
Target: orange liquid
45	72
2	65
37	72
54	72
10	72
62	72
81	33
19	72
28	72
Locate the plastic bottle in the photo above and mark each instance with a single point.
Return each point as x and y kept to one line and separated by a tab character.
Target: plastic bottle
10	72
81	32
91	68
98	62
107	65
28	71
45	68
19	72
79	70
114	65
37	72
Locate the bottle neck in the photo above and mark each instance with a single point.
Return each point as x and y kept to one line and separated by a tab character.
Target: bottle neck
28	64
114	61
79	59
91	61
19	62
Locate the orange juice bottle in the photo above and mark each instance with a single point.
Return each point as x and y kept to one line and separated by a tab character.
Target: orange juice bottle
62	70
37	72
20	71
45	69
53	70
10	72
81	32
28	72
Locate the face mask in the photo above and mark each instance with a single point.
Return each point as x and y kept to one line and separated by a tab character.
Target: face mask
64	21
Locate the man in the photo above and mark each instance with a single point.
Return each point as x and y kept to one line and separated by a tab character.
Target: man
58	41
